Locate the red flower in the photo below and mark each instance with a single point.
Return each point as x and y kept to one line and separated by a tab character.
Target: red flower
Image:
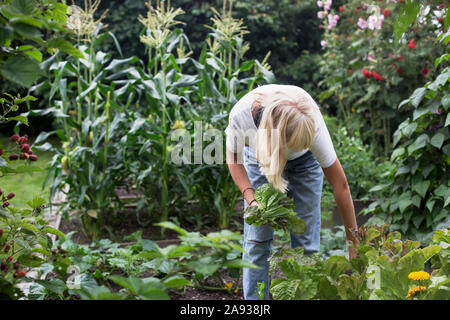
341	8
411	44
386	13
377	76
424	71
366	73
399	70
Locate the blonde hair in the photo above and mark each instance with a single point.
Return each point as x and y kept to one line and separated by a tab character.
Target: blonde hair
287	122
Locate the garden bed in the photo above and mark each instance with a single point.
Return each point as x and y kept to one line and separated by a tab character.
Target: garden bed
125	222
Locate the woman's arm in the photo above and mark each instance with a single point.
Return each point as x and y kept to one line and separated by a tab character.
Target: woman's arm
336	177
239	175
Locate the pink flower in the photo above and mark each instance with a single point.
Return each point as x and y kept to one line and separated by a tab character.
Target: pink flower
321	14
362	23
323	43
319	4
438	111
379	22
327	5
372	21
332	21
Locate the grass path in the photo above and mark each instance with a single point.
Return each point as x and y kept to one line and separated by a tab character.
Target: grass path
28	185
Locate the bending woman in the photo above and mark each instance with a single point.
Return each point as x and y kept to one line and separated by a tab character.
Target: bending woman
276	134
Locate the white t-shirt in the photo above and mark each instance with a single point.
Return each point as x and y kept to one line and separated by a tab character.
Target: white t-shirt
241	128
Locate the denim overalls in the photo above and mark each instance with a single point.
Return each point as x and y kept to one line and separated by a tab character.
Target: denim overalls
305	177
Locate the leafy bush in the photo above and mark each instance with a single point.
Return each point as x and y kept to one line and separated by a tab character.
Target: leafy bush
418	191
385	268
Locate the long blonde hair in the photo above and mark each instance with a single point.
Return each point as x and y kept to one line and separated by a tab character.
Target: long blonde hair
287	122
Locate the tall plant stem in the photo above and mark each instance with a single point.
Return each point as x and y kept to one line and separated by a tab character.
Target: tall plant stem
79	86
164	175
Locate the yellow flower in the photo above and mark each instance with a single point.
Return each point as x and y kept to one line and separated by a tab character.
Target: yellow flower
178	125
228	285
236	290
283	38
419	275
414	290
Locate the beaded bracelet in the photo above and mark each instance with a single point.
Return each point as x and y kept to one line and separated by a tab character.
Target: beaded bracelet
243	192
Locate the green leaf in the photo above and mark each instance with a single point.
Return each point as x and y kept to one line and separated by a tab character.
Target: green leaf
27	31
22	119
172	226
406	16
447	120
397	153
97	293
419	143
176	281
24	7
65	46
440	80
421	187
53	231
20	69
54	285
36	202
417	96
437	140
403	204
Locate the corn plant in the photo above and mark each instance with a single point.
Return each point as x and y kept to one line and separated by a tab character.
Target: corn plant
83	99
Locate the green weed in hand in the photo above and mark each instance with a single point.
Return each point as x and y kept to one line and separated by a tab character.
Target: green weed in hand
276	210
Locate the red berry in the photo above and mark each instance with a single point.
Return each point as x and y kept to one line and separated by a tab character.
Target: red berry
20	273
5	204
33	157
23	156
30	151
1	152
25	147
11	195
7	247
13	157
3	266
9	259
22	140
16	265
15	137
386	13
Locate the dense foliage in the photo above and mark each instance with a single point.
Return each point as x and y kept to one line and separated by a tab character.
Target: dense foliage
386	268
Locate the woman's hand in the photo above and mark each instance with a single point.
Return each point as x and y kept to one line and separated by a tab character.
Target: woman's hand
255	203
